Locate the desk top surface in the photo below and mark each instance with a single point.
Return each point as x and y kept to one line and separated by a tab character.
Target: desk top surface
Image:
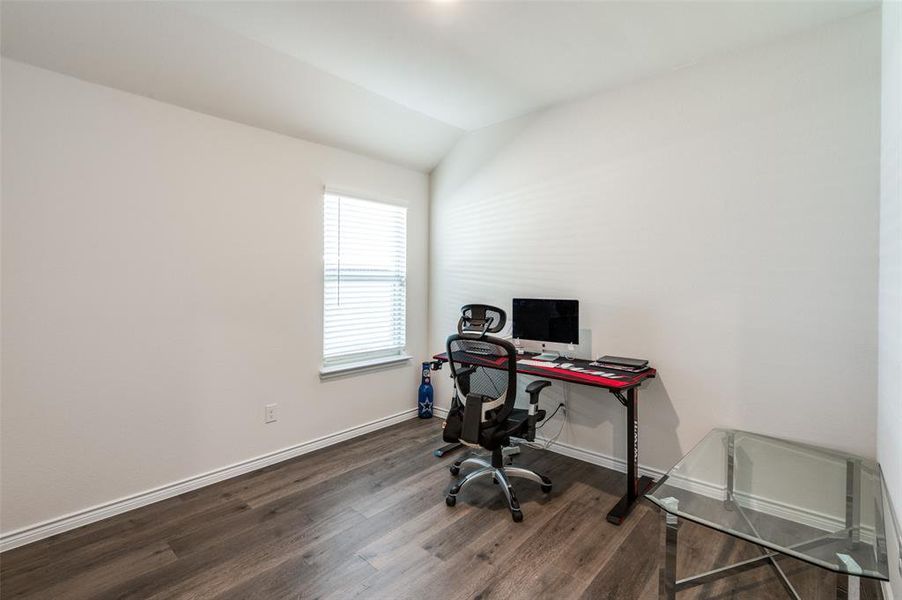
587	375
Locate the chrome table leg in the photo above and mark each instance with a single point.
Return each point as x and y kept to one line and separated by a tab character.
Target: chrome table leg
667	573
848	587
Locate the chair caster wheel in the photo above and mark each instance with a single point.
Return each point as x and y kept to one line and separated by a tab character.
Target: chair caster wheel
451	501
455	470
546	488
517	516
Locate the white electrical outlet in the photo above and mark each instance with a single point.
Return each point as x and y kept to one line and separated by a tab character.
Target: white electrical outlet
270	414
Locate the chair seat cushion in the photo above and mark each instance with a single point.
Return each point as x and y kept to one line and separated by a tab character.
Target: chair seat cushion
516	425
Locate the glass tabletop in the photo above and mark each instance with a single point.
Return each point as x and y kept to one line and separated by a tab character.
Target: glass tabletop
818	505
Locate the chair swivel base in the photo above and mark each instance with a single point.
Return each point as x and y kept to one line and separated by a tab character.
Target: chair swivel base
499	475
481	459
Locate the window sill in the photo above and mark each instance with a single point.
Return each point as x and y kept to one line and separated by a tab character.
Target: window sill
355	368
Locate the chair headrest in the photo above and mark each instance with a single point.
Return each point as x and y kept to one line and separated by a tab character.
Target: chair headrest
481	319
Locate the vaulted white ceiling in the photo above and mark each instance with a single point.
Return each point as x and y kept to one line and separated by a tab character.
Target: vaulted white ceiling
401	81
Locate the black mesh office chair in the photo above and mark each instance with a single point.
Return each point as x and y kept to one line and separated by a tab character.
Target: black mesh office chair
484	370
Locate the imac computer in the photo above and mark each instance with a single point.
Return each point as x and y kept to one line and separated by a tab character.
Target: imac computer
541	320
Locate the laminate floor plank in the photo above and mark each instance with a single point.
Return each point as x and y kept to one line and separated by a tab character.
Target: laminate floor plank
324	467
626	572
367	519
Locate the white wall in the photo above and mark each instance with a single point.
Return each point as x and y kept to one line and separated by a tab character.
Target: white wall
889	387
161	283
720	220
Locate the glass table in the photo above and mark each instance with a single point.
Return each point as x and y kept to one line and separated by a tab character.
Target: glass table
817	505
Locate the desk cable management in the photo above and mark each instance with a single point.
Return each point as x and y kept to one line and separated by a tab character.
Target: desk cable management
549	441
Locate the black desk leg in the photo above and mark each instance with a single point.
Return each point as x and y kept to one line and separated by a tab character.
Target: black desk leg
635	485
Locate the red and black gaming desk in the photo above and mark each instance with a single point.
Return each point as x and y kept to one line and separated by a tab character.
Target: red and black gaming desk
624	386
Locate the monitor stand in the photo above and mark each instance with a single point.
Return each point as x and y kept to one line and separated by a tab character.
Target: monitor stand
549	356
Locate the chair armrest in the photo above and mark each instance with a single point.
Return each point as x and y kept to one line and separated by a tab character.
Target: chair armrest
534	389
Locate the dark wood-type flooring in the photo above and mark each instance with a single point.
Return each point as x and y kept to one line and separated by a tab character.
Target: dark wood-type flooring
367	519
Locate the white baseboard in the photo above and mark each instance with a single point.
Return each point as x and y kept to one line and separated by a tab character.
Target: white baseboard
597	458
45	529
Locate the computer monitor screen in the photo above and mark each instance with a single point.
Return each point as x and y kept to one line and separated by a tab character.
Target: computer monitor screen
546	320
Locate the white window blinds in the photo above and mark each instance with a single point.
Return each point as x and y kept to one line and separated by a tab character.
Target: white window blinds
365	257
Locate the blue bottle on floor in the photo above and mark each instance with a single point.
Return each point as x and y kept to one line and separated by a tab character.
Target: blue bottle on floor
424	403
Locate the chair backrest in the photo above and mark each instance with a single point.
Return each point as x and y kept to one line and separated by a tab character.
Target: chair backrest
484	369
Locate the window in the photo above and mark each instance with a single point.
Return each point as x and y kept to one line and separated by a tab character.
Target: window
365	285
